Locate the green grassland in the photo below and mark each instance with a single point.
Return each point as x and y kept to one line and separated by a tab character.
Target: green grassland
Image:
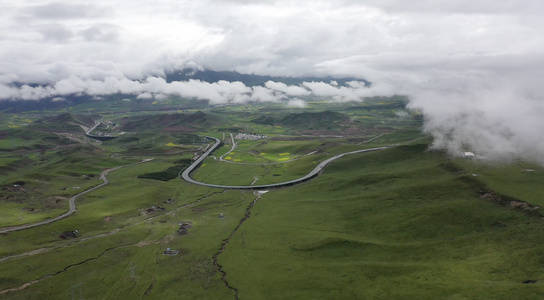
260	151
396	226
400	223
216	172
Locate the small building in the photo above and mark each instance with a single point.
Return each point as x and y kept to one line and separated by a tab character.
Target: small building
468	155
183	227
69	234
170	252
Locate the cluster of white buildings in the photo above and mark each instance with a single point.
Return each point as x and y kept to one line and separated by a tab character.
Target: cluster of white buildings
250	136
467	154
471	155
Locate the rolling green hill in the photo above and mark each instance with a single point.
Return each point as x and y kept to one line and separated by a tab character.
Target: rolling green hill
65	122
403	222
192	121
325	120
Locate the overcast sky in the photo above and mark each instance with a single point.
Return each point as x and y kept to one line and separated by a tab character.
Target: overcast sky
469	65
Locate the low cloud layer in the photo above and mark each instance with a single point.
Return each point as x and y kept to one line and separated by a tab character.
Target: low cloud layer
220	92
472	67
501	121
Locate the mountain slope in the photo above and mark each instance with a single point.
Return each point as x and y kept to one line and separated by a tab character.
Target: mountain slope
250	79
196	120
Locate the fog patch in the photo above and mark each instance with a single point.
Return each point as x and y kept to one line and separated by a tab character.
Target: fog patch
498	122
402	114
220	92
298	103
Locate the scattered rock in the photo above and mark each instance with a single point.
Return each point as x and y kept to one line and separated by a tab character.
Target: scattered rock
519	204
530	281
170	252
515	204
499	225
69	234
183	227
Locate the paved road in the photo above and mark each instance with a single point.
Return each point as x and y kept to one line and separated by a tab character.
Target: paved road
93	128
72	202
186	173
231	149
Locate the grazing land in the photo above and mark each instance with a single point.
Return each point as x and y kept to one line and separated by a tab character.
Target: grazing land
400	223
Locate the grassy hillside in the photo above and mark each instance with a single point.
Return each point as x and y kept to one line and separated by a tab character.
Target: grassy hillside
386	225
181	122
25	139
65	122
400	223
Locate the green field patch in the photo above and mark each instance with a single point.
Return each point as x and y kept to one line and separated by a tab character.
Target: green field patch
366	219
126	263
6	161
240	174
168	174
269	151
521	180
401	223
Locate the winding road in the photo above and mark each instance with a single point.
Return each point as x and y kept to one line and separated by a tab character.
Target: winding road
231	149
72	201
186	173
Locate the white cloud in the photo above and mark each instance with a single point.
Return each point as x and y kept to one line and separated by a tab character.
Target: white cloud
216	93
299	103
482	60
290	90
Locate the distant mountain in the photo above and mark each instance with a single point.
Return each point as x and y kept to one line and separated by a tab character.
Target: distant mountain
11	106
324	119
65	122
309	118
184	122
116	101
78	119
250	79
265	120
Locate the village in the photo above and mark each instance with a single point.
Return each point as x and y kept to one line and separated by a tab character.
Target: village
250	136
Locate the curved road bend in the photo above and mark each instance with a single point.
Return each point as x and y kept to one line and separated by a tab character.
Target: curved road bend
186	173
72	201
